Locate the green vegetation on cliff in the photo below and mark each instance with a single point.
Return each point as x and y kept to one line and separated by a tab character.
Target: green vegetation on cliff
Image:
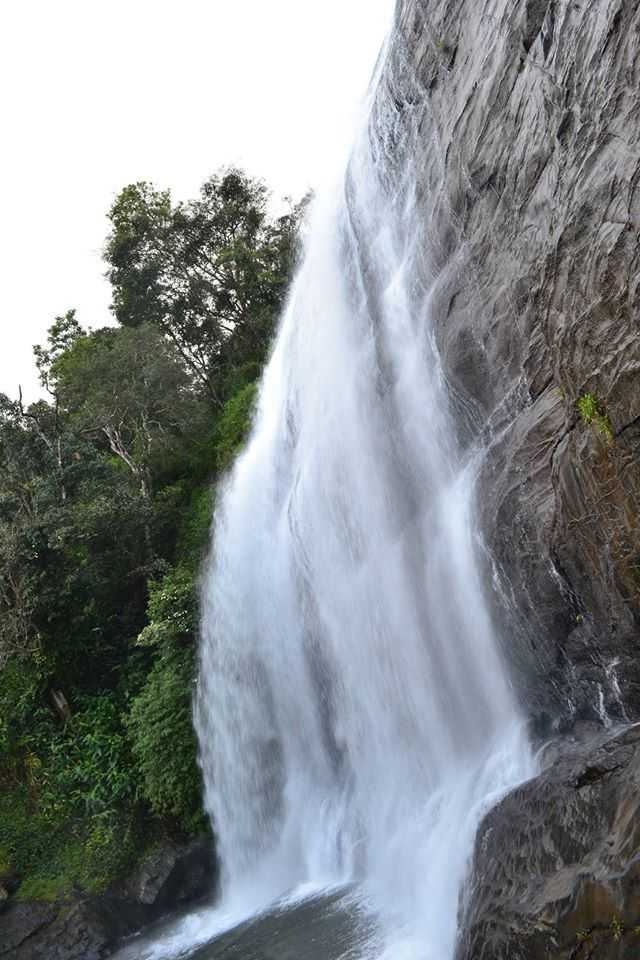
106	495
592	414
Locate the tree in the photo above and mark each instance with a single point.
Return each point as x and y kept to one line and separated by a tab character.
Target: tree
130	387
61	336
105	511
72	572
211	273
23	457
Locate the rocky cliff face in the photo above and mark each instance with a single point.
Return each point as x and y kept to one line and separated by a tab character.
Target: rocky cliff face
524	120
526	130
556	870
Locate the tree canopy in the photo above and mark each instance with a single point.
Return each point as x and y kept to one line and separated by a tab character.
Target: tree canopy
210	273
106	493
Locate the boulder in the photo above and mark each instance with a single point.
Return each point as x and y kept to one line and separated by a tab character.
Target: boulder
20	922
91	928
86	930
174	874
556	869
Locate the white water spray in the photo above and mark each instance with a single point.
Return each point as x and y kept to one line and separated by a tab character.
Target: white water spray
354	714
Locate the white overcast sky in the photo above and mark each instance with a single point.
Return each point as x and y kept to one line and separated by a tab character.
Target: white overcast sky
100	93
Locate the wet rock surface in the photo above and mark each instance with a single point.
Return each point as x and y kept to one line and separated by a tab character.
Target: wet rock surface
556	870
327	926
91	928
173	875
87	930
323	928
528	162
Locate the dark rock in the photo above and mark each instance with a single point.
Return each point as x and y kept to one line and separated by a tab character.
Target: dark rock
174	874
88	930
192	877
314	929
91	929
526	145
9	883
21	921
556	871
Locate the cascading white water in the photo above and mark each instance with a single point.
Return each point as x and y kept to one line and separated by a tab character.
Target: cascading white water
354	713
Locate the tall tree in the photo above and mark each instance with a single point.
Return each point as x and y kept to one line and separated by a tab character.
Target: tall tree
21	456
130	387
211	273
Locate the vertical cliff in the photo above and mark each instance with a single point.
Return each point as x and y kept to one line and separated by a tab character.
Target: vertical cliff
528	157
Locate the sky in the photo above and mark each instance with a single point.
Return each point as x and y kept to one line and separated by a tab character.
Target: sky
101	93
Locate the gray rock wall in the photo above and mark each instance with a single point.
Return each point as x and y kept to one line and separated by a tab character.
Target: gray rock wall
556	870
524	119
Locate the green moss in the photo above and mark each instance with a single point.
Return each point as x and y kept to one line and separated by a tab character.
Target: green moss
44	888
593	414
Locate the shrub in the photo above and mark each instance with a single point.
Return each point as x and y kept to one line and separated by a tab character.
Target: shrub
234	424
172	609
164	742
54	858
592	414
88	770
21	684
193	536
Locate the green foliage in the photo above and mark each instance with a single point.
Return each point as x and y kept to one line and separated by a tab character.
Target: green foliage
160	719
588	407
195	526
239	377
106	499
68	819
88	768
53	860
21	685
592	412
62	335
172	610
211	273
111	846
234	424
130	388
163	738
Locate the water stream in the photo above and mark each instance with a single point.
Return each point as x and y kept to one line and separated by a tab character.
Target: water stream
354	712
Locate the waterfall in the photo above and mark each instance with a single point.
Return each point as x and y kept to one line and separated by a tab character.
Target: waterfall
354	712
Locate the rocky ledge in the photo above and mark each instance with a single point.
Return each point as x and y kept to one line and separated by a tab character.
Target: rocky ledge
556	869
91	928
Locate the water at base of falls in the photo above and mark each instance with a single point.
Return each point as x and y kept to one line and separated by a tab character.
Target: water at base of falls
354	713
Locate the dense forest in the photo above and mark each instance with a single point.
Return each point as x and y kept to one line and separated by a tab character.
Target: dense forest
106	495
